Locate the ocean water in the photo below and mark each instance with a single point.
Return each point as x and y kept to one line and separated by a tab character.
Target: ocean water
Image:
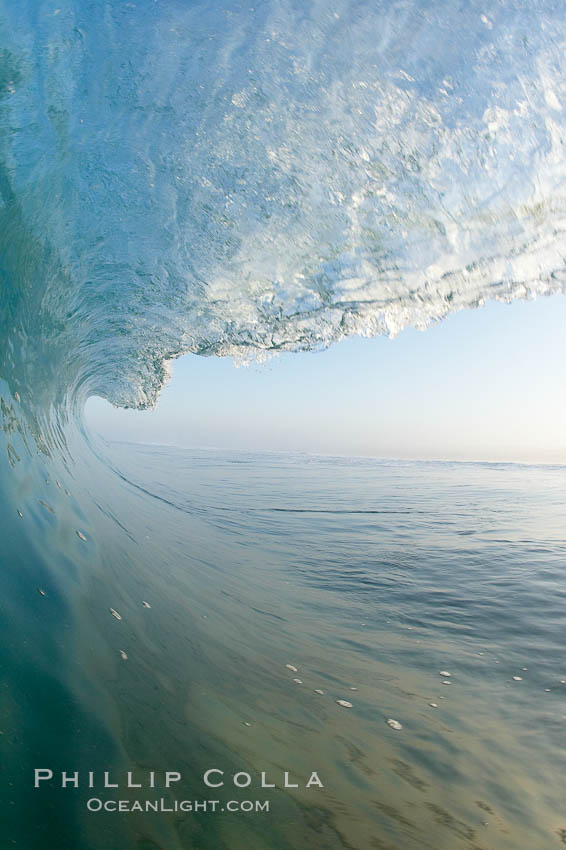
240	179
364	574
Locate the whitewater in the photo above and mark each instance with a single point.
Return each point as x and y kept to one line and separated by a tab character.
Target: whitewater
243	179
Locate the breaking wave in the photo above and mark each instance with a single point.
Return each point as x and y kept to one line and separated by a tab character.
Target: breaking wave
240	179
246	178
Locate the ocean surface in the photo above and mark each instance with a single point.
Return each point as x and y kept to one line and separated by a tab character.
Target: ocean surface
370	577
239	179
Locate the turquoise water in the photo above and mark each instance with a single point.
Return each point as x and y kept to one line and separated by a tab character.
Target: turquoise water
365	574
241	179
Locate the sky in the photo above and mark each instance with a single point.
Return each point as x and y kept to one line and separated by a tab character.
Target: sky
485	384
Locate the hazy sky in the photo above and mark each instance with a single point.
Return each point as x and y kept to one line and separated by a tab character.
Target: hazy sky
485	384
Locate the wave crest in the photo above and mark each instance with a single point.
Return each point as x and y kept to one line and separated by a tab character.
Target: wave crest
251	178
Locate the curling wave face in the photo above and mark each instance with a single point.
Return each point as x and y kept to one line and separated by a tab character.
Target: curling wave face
225	178
239	179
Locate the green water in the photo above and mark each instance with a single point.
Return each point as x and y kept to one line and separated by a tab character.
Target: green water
363	575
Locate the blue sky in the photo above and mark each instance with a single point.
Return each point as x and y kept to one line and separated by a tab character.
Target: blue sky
485	384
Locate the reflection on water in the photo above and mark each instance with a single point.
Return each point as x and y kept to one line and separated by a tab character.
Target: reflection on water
370	578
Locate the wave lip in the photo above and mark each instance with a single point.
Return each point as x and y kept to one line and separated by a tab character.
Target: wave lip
241	181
